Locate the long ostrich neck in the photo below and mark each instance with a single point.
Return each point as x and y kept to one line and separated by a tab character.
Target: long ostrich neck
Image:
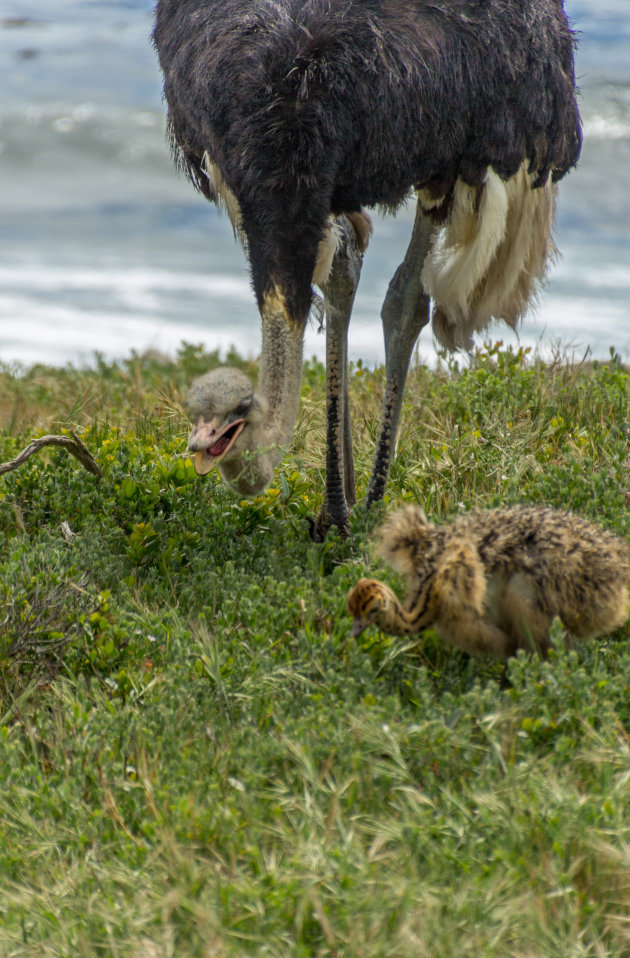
279	385
280	372
396	620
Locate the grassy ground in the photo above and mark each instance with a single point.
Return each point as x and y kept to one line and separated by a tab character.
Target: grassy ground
195	757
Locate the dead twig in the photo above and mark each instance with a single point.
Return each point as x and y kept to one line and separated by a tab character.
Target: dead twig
72	443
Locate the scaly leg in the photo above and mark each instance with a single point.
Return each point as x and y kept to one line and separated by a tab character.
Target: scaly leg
404	313
339	291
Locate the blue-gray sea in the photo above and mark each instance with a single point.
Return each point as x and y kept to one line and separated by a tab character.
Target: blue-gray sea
103	248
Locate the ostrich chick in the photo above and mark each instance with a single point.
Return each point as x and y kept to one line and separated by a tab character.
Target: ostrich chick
492	582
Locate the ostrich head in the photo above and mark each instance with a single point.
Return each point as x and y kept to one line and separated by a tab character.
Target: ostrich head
242	430
231	430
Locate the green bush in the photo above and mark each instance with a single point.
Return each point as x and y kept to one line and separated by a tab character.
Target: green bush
197	759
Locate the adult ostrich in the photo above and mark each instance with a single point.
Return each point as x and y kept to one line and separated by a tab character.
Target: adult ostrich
295	115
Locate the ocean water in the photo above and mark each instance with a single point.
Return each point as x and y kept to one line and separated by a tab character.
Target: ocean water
103	248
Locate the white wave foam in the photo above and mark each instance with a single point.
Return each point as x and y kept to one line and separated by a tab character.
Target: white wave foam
34	331
606	128
56	279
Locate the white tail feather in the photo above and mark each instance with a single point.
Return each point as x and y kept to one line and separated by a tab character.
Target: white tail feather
487	259
328	246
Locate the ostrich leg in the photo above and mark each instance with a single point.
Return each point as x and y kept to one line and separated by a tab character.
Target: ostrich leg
404	313
339	291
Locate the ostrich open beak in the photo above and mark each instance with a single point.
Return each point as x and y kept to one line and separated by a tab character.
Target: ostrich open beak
211	440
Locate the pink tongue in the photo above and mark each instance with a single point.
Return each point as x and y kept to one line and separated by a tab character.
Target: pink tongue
219	447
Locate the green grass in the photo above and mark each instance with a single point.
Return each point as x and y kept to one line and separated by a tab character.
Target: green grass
195	757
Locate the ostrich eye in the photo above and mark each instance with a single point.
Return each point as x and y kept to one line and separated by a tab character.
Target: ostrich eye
243	407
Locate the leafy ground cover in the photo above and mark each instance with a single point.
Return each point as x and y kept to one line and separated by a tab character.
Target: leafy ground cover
195	757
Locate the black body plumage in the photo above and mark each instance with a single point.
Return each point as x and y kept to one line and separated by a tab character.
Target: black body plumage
312	107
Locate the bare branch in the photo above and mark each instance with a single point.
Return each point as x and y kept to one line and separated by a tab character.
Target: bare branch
72	443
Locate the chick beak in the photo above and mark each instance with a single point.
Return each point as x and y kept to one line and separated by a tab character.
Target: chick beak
210	441
358	627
